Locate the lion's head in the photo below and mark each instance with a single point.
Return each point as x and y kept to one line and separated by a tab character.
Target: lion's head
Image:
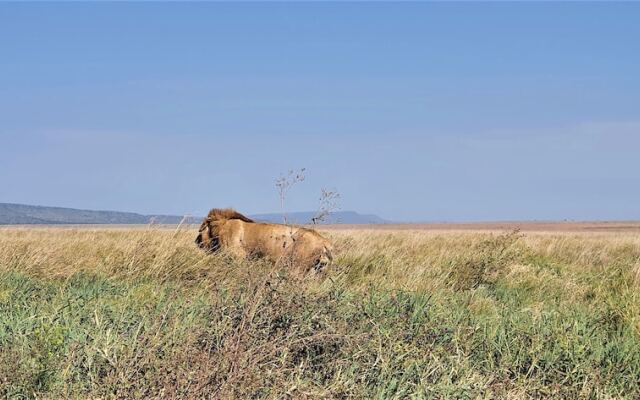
208	235
206	239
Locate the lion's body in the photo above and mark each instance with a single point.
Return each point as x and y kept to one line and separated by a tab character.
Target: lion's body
227	229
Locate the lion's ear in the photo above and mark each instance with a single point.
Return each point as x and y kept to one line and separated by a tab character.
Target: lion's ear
205	224
205	227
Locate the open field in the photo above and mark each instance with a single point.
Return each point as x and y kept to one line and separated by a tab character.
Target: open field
100	312
524	226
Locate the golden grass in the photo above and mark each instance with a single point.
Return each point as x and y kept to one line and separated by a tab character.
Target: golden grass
102	312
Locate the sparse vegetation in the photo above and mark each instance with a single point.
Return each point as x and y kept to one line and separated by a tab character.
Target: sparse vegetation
142	313
328	203
284	183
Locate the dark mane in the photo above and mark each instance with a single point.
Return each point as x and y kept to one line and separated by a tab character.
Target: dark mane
219	214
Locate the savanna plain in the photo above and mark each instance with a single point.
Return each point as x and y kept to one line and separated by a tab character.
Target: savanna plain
100	312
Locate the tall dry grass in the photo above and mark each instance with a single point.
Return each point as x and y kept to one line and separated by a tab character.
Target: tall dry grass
125	313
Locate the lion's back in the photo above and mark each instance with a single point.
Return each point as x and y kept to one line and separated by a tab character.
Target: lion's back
279	241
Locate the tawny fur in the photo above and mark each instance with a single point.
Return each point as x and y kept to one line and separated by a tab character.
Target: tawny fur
230	230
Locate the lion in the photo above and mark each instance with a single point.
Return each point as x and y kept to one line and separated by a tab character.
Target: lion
228	229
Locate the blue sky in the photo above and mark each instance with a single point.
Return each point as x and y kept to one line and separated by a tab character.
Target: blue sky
412	111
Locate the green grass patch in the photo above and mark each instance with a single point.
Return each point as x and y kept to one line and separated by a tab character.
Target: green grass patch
92	336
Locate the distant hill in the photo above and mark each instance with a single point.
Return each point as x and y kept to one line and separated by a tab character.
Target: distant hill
338	217
19	214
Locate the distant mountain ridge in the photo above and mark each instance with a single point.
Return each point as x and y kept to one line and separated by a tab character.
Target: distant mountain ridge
22	214
306	217
18	214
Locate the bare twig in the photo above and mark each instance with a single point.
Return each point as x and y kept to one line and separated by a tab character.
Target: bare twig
329	202
286	182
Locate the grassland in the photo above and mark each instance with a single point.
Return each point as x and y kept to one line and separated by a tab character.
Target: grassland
124	313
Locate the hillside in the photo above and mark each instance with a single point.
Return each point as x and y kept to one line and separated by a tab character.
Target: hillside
21	214
17	214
